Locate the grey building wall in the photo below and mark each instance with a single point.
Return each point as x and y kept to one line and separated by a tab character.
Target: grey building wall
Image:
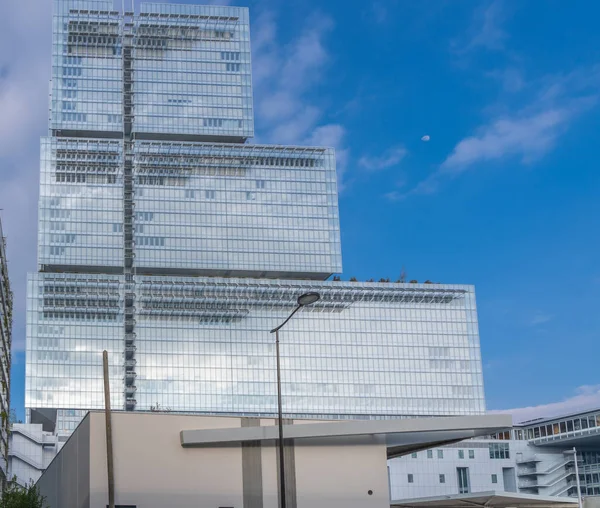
66	481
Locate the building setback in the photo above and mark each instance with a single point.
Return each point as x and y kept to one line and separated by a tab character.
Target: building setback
172	242
5	357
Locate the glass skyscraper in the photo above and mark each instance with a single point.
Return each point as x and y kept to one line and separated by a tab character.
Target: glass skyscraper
169	240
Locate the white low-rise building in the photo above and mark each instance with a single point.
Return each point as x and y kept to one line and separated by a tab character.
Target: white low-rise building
536	457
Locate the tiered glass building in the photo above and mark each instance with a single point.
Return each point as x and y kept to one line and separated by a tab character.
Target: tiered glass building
5	357
168	239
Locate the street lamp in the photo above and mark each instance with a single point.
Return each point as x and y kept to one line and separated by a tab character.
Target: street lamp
574	452
303	301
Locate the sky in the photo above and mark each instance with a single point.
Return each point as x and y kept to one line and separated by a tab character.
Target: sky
467	150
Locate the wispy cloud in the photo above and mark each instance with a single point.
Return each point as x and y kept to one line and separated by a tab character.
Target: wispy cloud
391	157
332	135
486	29
539	318
510	78
284	76
528	134
586	397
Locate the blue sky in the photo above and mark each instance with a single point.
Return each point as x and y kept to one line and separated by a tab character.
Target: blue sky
503	195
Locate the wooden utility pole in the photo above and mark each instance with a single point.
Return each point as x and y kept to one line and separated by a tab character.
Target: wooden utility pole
109	449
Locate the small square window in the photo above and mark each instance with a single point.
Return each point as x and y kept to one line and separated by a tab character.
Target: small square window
440	454
430	454
494	478
471	454
414	455
442	478
461	454
410	478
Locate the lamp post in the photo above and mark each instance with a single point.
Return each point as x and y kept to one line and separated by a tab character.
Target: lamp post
303	301
574	452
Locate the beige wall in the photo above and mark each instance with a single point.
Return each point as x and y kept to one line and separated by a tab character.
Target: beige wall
153	470
341	476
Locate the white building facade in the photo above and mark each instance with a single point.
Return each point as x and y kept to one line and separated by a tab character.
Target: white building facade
536	457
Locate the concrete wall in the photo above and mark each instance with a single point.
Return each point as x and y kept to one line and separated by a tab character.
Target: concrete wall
153	470
66	481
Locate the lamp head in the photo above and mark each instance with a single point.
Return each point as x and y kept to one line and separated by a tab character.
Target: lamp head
308	298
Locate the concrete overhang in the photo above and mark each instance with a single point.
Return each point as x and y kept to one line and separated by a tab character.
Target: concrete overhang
401	436
487	500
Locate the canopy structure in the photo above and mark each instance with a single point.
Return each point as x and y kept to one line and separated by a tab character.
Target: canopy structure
400	436
488	500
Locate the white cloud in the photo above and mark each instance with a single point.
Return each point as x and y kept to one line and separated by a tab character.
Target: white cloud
528	136
586	397
426	138
284	76
25	25
332	135
391	157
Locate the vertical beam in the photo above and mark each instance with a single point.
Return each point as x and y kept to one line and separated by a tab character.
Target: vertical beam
109	448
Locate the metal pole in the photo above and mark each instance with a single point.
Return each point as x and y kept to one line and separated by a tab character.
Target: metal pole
577	478
109	450
281	463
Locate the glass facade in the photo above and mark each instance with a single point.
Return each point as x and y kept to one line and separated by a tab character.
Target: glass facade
170	242
365	349
190	73
199	207
5	357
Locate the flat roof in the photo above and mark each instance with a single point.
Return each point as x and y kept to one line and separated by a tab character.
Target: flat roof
547	419
489	499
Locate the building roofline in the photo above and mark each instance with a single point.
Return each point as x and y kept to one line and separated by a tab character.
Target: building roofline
545	419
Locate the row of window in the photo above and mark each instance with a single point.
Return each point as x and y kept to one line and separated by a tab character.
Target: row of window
442	478
83	178
237	160
74	117
440	454
80	316
551	429
571	425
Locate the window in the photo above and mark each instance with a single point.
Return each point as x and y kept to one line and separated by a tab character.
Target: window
440	454
442	478
461	454
462	474
494	478
499	450
210	194
430	454
414	455
471	454
570	425
260	184
410	478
